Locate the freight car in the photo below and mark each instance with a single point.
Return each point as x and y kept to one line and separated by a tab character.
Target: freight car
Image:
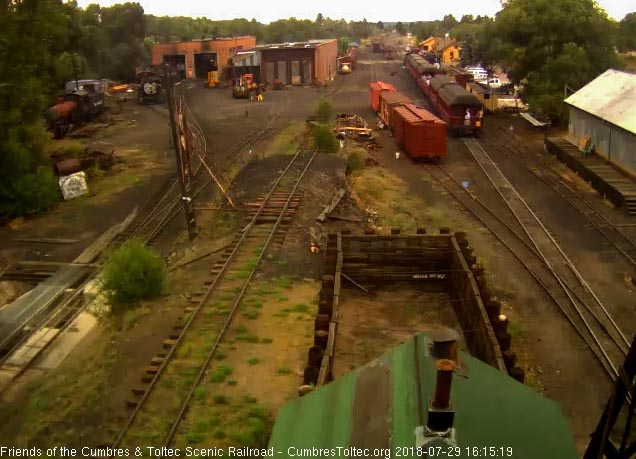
375	89
462	111
73	109
150	89
389	100
419	132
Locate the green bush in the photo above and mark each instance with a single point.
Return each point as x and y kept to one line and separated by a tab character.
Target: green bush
323	110
132	273
29	194
325	140
355	162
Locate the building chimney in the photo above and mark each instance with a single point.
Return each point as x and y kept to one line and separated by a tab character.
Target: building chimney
440	410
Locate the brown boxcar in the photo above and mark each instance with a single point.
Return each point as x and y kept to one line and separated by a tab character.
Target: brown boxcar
375	89
419	132
388	101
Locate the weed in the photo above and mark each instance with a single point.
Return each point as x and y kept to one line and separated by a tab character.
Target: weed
284	282
281	314
219	305
227	297
220	399
257	304
214	421
249	338
251	314
241	329
258	411
231	382
282	371
267	341
199	394
220	373
266	291
301	307
133	272
194	437
355	162
219	435
237	289
249	399
253	361
282	298
220	356
286	310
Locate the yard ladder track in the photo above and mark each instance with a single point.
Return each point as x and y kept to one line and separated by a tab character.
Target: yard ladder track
602	331
162	404
625	245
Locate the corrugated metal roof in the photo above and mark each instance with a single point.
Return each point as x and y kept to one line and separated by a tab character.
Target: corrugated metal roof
381	404
611	97
381	85
414	114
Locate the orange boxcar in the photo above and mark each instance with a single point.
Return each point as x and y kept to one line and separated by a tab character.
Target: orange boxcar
389	100
375	89
419	132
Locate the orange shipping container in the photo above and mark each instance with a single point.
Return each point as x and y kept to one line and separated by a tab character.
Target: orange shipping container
419	132
388	101
375	89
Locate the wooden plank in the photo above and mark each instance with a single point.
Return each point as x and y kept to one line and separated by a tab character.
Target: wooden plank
354	283
46	240
324	371
331	341
97	247
332	205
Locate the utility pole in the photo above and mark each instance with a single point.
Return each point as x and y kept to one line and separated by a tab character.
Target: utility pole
186	201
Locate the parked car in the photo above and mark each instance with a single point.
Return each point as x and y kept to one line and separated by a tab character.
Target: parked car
494	83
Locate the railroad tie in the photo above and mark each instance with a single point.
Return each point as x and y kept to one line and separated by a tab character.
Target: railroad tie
139	390
188	309
168	343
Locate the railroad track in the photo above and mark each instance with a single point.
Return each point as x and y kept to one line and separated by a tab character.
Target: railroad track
161	405
612	233
566	286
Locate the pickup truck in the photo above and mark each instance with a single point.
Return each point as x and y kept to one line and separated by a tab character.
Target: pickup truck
494	83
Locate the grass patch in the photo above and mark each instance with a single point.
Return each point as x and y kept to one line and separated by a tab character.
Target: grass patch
220	373
376	189
240	329
253	361
220	356
252	315
264	290
199	394
249	338
282	314
267	341
227	297
301	307
220	399
286	141
514	328
282	298
282	371
231	382
283	282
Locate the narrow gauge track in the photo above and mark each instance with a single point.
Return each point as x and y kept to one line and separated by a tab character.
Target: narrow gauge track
164	404
502	143
602	335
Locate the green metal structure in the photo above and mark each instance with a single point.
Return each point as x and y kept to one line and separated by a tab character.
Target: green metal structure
379	406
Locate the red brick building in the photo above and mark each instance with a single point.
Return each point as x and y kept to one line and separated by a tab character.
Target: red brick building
196	58
299	63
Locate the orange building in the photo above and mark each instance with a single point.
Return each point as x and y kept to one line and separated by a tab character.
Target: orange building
194	59
301	63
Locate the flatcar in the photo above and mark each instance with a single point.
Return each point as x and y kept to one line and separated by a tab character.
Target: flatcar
461	110
72	110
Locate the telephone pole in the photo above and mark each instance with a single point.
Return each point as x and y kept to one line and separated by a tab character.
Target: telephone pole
180	155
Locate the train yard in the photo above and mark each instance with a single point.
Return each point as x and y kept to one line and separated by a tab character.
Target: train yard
558	258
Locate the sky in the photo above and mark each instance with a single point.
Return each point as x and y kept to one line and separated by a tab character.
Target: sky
351	10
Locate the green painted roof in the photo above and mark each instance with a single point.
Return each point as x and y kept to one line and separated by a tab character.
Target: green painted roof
376	406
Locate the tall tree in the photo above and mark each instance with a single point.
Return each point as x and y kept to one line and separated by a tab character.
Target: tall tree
627	33
550	43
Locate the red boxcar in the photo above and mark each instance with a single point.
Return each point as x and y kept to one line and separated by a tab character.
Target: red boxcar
375	89
419	132
389	100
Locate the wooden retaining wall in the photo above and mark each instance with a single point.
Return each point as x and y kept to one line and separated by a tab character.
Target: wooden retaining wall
395	258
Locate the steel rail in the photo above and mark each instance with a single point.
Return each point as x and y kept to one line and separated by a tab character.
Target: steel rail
577	274
558	277
514	252
557	185
195	313
237	302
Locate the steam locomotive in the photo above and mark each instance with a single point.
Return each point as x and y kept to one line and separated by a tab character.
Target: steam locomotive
150	89
73	109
